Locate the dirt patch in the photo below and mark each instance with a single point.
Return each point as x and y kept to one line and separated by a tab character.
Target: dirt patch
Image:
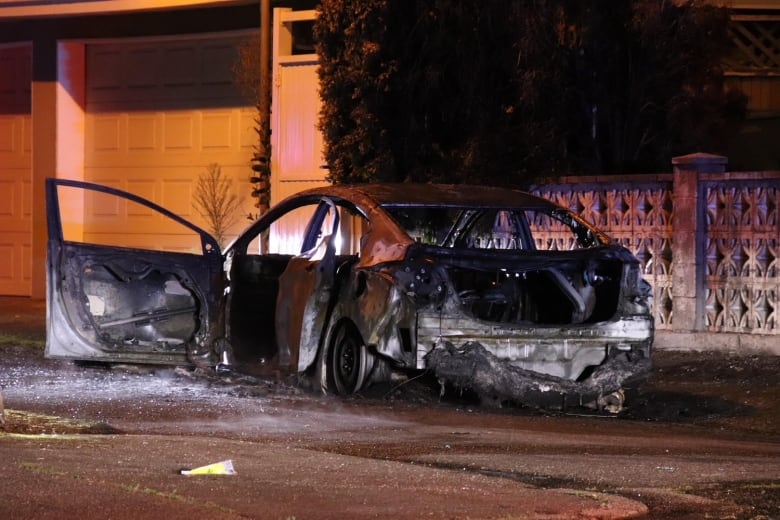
23	317
761	499
730	393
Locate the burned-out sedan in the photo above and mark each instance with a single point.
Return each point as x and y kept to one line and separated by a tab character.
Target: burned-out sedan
492	290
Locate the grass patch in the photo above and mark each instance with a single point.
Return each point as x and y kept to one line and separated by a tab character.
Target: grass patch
21	423
21	341
169	495
41	470
598	497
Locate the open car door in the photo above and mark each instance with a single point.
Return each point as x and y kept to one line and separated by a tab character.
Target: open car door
305	290
127	280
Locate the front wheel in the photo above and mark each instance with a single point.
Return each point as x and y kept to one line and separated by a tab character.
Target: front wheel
348	361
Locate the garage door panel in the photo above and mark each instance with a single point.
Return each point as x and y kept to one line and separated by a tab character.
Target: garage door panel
15	207
15	263
26	267
216	131
143	188
27	200
15	136
99	207
110	220
178	132
177	196
9	263
15	171
170	139
246	129
163	75
12	203
141	70
105	214
182	66
220	58
7	134
15	75
106	133
8	204
157	117
106	71
172	188
142	132
176	242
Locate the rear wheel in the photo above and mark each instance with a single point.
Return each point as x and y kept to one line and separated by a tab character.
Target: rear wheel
348	361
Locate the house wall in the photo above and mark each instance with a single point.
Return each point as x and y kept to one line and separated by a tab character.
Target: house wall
61	129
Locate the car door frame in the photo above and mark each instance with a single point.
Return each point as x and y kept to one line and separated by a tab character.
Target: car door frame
310	276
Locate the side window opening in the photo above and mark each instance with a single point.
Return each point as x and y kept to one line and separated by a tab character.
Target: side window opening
497	229
558	230
350	228
106	219
286	235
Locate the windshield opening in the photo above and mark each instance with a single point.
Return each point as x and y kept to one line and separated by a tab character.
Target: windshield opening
552	229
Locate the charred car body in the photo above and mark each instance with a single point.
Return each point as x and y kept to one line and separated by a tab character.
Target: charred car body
492	289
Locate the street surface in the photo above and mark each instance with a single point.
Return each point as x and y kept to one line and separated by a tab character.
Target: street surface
701	441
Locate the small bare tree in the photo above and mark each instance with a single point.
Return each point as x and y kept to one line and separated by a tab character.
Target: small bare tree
216	202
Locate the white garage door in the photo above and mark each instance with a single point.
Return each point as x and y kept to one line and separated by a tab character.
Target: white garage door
158	114
15	171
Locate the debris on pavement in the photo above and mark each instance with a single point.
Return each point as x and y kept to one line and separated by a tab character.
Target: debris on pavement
224	467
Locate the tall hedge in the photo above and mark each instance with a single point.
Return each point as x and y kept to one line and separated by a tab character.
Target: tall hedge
498	91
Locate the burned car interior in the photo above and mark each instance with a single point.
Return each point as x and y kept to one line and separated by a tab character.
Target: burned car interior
257	261
539	293
489	289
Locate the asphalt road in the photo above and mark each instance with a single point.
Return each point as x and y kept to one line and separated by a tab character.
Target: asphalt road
91	442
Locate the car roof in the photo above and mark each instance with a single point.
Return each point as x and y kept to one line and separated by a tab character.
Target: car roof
434	195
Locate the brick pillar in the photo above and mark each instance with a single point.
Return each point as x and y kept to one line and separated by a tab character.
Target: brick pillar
688	238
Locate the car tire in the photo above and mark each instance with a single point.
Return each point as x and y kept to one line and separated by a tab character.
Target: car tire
348	362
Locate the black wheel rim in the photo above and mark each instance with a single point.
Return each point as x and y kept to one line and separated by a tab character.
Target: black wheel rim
345	361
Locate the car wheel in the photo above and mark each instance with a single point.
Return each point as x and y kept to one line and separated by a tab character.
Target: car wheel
348	361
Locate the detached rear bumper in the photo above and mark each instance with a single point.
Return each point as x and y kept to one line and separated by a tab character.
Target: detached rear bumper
473	367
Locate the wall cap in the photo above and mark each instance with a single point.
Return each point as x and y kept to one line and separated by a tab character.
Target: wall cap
700	162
